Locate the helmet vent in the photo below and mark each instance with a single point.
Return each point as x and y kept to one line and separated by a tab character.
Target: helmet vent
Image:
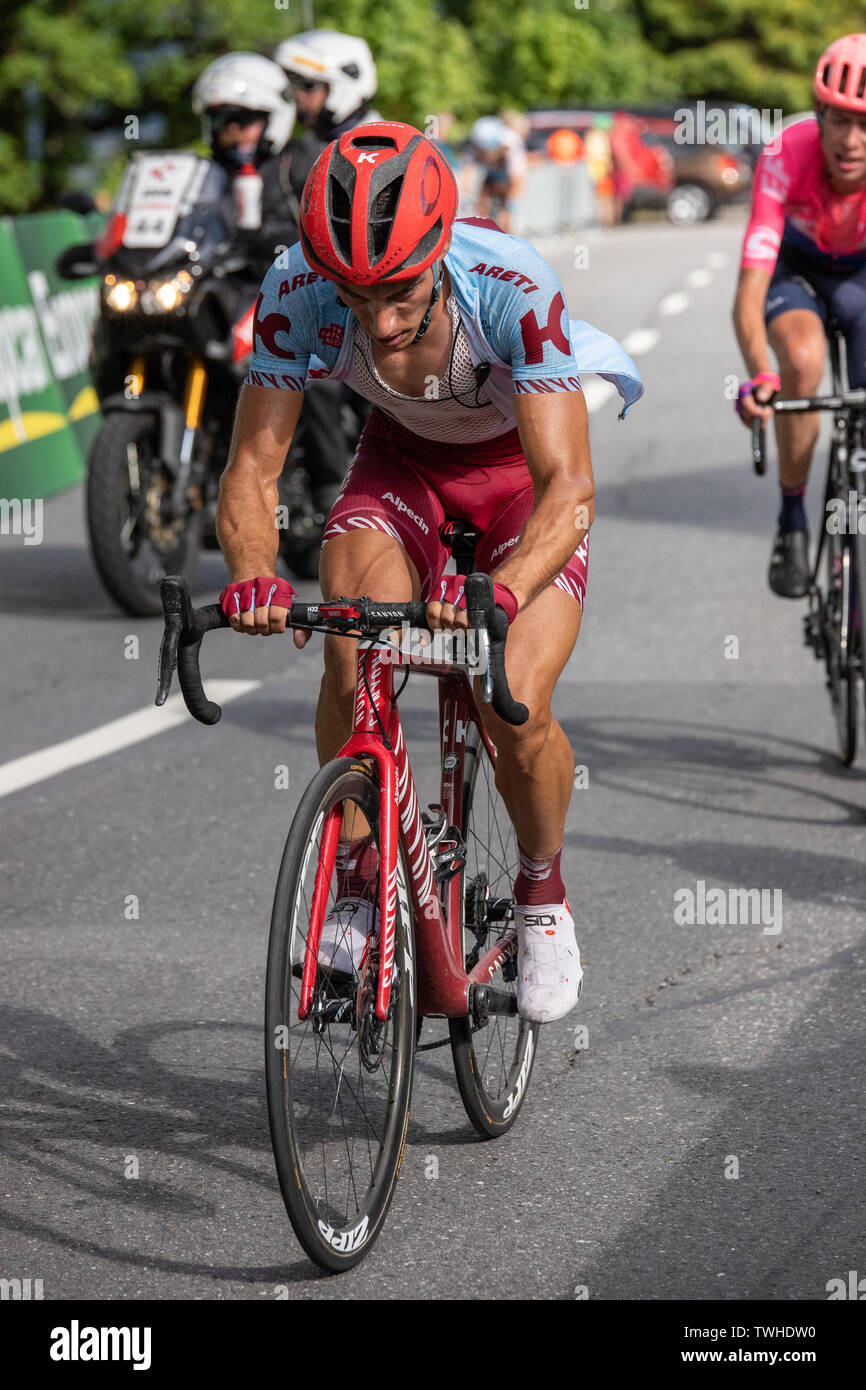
374	142
861	85
843	80
341	219
382	217
825	76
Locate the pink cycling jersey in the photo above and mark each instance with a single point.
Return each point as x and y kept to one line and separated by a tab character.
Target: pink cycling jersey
791	187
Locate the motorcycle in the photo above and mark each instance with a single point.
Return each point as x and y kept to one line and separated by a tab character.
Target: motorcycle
171	348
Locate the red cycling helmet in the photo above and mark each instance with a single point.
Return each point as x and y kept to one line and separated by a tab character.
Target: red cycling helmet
378	204
840	77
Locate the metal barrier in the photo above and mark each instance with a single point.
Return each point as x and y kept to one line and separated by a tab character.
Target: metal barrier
555	197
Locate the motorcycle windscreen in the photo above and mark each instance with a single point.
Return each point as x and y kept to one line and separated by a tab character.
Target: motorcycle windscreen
162	189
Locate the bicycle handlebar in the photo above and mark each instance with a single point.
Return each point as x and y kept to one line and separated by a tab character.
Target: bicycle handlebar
186	626
843	400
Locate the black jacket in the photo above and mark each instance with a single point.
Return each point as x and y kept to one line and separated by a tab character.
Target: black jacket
283	179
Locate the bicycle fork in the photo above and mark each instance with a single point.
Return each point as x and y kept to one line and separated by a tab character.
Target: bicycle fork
361	745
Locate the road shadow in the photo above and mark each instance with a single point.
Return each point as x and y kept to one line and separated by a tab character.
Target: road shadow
115	1101
686	762
793	1217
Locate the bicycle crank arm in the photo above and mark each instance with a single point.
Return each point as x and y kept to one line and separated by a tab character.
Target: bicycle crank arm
485	1000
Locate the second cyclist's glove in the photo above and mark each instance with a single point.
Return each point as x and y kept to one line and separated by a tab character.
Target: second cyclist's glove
748	389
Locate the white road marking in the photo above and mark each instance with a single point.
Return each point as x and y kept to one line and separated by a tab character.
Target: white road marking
109	738
717	260
674	303
640	340
697	279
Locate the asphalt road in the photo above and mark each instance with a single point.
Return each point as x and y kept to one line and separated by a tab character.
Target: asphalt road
712	1049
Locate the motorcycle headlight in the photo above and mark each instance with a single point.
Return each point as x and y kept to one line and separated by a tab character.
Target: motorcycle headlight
167	296
164	296
120	295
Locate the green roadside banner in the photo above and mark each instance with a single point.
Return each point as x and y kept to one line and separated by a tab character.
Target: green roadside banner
49	413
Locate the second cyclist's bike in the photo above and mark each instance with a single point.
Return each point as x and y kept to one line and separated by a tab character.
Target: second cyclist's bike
833	625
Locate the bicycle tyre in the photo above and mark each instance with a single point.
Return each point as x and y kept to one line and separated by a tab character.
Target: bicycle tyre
841	675
299	1130
492	1095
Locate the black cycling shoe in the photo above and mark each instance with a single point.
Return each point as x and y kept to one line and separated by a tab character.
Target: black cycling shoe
790	576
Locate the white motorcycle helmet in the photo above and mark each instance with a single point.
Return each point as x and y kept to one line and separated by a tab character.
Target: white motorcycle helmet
248	82
343	61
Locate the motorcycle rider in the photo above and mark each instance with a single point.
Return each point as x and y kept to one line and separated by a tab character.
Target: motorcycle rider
248	112
333	81
247	115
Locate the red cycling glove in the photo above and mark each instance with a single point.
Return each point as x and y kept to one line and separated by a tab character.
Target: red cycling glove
451	587
748	389
246	595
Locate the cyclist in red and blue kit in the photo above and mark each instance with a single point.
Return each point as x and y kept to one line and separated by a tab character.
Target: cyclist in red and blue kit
804	261
459	336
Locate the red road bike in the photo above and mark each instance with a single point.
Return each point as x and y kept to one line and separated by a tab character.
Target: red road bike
340	1045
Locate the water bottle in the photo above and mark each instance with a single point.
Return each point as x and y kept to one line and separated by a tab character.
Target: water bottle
248	197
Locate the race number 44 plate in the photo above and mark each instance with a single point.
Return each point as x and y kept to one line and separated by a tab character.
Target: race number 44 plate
156	196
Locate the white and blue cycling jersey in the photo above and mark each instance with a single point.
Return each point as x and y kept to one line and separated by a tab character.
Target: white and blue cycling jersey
511	308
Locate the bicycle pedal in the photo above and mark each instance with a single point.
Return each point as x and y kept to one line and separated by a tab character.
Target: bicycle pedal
812	636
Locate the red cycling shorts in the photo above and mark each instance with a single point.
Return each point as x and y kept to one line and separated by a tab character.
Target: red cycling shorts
407	486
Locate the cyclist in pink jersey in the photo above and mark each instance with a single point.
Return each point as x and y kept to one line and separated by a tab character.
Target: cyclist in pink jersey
459	336
804	262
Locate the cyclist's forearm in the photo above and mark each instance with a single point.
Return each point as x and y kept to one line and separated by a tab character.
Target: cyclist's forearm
749	326
558	523
247	522
247	512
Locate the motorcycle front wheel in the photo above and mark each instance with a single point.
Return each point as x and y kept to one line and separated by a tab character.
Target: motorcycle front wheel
135	537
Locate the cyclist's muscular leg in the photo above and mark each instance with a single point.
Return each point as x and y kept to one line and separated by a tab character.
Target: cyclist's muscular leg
797	338
535	763
358	562
534	775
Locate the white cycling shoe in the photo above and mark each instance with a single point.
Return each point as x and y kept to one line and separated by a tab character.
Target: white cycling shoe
345	932
549	974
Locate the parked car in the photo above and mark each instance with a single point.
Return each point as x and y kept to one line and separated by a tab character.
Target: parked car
706	178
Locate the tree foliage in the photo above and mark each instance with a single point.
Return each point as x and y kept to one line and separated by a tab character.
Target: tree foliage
74	67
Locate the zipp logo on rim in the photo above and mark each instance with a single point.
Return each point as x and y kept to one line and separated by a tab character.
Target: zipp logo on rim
514	1099
344	1241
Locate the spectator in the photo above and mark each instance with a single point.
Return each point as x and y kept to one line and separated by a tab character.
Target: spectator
599	161
501	154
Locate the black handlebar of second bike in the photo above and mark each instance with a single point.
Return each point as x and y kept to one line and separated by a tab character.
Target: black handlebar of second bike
854	399
186	626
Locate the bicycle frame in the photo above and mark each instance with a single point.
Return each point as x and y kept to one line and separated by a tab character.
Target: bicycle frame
443	984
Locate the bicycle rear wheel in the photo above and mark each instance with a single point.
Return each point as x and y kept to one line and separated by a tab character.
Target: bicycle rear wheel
339	1082
493	1063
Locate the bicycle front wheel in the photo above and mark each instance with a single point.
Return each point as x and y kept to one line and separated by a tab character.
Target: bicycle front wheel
840	611
339	1081
493	1063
